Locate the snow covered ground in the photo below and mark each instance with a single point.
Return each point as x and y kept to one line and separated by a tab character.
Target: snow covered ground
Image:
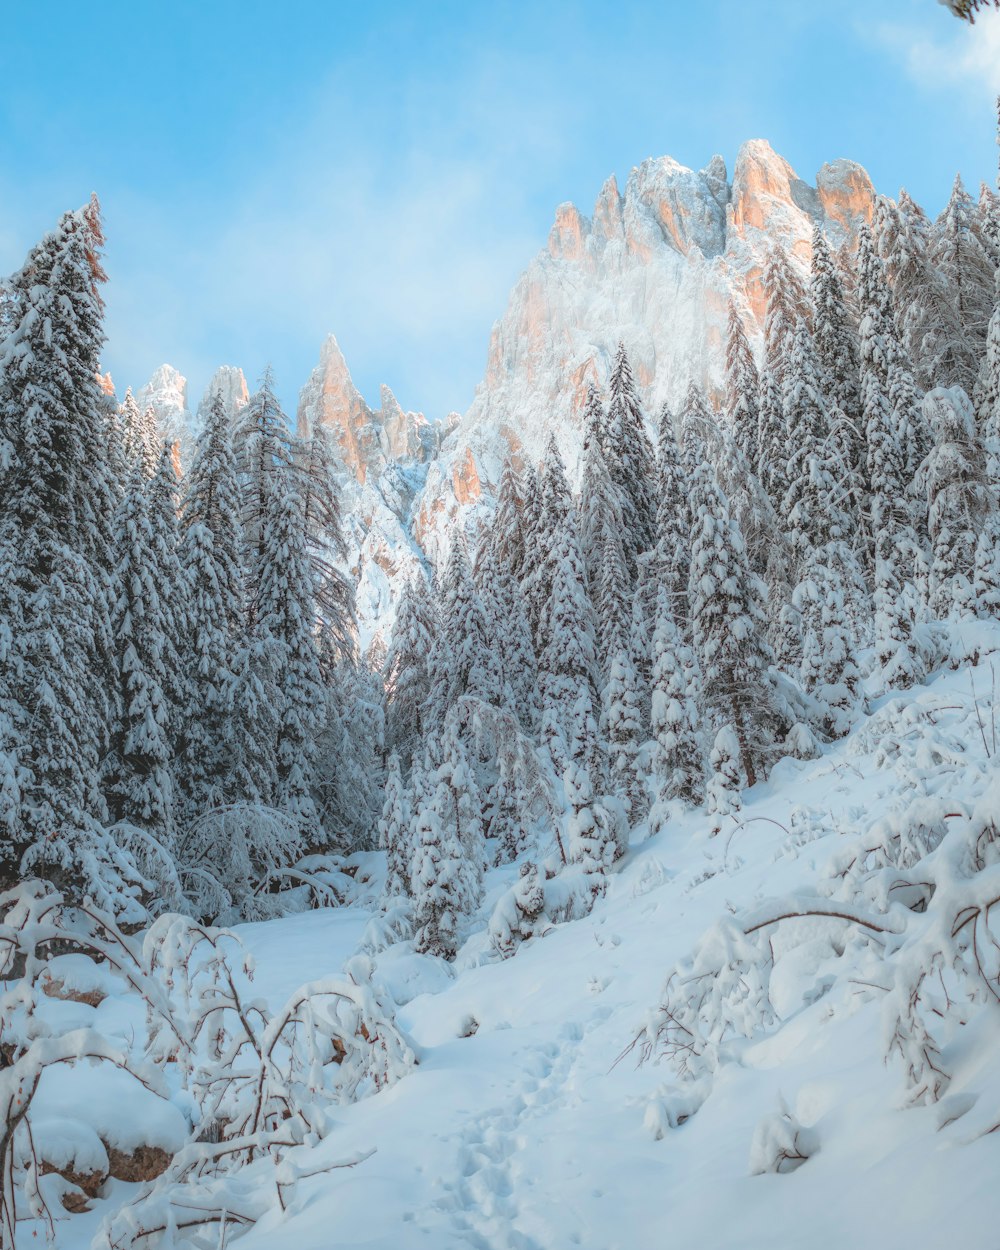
518	1130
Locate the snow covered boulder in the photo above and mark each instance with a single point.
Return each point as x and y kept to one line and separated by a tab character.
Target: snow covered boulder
78	979
92	1121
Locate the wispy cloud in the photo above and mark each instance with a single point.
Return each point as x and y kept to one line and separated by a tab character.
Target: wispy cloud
399	249
948	56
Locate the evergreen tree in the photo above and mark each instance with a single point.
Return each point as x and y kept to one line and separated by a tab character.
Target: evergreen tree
834	337
163	500
601	512
986	575
262	443
349	775
136	774
475	664
534	546
728	778
771	438
623	727
316	463
728	628
962	261
284	642
203	764
413	670
595	421
508	627
567	661
57	486
631	461
141	441
394	831
670	559
212	500
958	499
987	393
925	318
680	763
808	428
550	510
987	223
508	523
830	671
592	840
742	391
787	305
612	600
894	540
436	875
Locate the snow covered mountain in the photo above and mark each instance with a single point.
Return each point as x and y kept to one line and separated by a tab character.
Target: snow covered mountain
655	265
166	393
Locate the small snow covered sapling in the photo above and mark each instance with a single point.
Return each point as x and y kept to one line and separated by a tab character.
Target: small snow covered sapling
781	1144
520	913
728	779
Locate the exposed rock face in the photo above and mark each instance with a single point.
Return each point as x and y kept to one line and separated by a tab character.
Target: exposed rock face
657	267
369	440
385	454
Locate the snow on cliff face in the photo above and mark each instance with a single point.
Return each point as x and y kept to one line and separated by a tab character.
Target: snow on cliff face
166	393
369	440
230	385
655	266
385	453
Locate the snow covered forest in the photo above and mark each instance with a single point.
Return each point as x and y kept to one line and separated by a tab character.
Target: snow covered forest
675	795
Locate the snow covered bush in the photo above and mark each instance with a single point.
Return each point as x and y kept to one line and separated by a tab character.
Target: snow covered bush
257	1084
520	913
781	1144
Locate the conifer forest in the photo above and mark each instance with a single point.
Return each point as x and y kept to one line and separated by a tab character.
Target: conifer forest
574	824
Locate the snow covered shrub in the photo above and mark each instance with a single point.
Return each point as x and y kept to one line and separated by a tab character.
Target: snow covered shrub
520	913
719	994
672	1106
234	861
257	1084
781	1144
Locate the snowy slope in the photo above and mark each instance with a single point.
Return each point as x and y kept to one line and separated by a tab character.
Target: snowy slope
518	1130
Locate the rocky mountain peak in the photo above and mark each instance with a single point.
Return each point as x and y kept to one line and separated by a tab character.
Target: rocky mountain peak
230	385
369	439
166	393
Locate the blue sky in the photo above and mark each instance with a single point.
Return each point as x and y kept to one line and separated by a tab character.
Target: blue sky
273	172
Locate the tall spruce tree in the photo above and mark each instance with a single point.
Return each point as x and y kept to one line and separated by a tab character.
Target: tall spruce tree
727	619
834	337
137	775
285	645
57	681
416	671
675	720
631	460
742	391
968	272
959	499
670	560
